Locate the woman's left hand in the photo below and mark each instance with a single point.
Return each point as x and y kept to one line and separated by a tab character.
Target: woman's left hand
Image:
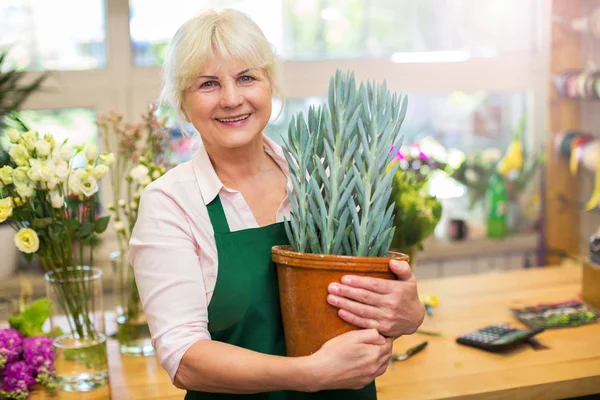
390	306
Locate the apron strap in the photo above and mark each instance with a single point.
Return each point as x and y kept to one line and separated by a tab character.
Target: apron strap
217	216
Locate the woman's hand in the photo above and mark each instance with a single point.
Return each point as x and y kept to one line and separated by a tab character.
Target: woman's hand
351	360
390	306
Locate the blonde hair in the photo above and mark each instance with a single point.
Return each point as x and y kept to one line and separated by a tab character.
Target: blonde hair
228	34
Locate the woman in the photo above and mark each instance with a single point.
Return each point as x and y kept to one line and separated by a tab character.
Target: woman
205	231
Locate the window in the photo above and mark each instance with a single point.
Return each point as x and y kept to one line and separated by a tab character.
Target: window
406	30
54	35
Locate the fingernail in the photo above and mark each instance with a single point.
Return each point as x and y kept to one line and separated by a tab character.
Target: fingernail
333	288
331	299
346	280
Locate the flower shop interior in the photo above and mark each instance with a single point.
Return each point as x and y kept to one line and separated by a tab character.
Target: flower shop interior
495	197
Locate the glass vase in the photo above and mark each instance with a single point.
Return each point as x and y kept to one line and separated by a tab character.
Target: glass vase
133	332
77	326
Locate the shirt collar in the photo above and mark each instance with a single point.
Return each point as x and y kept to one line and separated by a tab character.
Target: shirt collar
208	180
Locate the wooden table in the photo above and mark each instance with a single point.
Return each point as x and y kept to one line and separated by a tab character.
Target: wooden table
445	370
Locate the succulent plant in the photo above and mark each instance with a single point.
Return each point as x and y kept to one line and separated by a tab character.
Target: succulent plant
339	168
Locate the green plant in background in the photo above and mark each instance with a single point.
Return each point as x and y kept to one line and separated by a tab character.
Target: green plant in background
339	160
517	166
474	173
13	93
416	212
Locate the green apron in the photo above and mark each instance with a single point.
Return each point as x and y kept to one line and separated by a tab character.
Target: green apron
244	309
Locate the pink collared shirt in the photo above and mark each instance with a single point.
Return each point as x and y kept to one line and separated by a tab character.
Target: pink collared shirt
173	250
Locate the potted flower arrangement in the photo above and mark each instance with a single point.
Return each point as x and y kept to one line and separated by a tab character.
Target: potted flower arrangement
417	213
341	219
13	93
517	167
139	150
52	205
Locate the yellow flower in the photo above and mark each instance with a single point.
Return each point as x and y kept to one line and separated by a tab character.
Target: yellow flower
6	208
27	240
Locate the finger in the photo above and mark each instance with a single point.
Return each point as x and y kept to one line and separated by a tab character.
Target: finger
382	368
364	296
366	336
402	270
355	320
360	309
377	285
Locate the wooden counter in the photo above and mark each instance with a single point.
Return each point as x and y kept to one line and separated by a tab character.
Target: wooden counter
445	370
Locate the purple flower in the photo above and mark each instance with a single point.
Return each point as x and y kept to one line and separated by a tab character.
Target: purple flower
37	353
10	346
18	379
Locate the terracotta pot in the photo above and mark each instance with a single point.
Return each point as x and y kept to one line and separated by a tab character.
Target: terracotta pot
308	320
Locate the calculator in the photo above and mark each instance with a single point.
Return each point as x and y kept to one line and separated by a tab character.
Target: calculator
497	337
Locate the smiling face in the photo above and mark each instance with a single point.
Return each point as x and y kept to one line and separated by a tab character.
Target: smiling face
229	104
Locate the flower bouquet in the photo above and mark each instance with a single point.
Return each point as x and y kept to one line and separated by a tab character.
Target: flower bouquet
139	150
24	362
52	205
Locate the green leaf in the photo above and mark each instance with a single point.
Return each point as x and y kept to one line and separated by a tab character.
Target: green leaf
41	223
31	320
101	224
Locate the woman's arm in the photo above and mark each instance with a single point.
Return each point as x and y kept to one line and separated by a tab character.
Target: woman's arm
212	366
349	361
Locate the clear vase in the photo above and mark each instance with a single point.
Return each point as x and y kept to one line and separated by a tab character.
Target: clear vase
77	326
133	332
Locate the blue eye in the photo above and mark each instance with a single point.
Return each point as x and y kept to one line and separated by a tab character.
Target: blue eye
207	84
246	78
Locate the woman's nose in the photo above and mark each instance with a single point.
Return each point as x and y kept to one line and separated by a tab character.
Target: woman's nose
231	96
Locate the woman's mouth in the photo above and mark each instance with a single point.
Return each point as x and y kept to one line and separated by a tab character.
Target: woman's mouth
234	120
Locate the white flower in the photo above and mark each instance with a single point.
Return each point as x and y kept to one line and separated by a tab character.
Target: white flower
42	148
6	173
107	159
25	191
121	203
28	139
100	171
13	135
27	240
62	170
56	199
20	155
119	226
155	174
133	205
52	183
89	185
138	173
6	208
145	180
41	170
137	195
66	152
20	176
91	152
75	182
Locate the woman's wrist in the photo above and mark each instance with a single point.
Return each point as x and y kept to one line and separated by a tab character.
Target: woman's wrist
307	377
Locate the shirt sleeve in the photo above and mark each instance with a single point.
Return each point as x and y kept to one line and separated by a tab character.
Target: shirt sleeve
166	263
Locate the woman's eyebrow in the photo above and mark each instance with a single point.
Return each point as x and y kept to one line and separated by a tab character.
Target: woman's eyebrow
217	78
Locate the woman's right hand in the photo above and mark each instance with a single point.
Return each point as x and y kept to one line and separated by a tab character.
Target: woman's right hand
352	360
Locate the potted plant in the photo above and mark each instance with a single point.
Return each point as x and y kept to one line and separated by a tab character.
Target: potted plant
341	220
139	149
13	93
417	213
53	207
